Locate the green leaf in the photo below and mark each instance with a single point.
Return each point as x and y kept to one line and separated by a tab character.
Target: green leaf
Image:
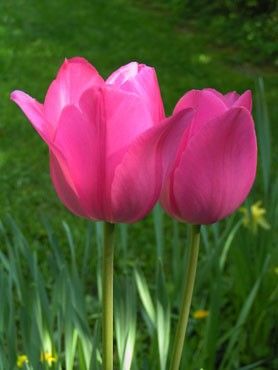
228	244
163	318
263	131
159	233
144	294
125	321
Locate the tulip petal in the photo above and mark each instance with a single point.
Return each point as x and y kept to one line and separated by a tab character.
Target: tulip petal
215	92
140	80
244	100
217	169
125	116
123	74
74	77
230	98
64	186
83	148
137	181
34	112
233	99
207	106
186	116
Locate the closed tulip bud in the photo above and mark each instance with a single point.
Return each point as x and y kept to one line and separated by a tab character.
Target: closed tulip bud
214	166
104	138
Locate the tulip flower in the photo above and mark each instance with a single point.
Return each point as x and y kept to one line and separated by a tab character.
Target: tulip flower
102	138
209	176
215	163
109	145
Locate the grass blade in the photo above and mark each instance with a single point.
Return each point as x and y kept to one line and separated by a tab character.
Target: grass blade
263	130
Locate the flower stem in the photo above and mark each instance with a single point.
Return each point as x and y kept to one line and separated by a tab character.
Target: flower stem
107	297
191	267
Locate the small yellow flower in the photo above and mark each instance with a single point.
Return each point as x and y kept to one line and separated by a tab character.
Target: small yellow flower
21	360
200	314
254	217
48	357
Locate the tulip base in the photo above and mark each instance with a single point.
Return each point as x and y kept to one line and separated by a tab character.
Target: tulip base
107	297
191	267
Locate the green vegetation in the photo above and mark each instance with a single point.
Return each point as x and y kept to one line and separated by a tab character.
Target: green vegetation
247	27
37	36
50	293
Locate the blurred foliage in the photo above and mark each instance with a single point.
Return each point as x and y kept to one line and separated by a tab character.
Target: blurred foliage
242	7
248	26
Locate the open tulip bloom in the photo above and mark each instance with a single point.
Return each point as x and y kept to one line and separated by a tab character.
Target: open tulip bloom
104	138
109	142
113	153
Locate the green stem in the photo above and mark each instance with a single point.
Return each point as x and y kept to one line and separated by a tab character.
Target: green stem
107	297
191	266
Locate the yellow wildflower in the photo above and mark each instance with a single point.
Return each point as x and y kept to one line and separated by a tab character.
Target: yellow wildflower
200	314
21	360
254	217
48	357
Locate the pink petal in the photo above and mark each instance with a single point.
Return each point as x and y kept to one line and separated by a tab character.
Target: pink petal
34	112
64	186
233	99
244	100
137	181
206	104
186	117
123	74
173	141
215	92
140	80
217	169
74	77
82	144
124	116
230	98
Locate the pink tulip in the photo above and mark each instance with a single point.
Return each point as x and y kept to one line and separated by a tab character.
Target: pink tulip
104	138
215	163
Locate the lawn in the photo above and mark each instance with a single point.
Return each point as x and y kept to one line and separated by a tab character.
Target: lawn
36	36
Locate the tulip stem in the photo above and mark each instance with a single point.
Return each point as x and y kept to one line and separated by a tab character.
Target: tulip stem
107	297
189	279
